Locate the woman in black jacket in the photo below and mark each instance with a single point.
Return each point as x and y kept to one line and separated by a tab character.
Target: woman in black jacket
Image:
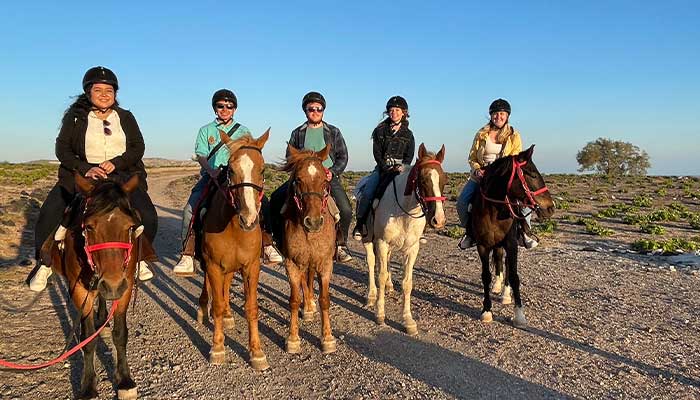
98	139
393	148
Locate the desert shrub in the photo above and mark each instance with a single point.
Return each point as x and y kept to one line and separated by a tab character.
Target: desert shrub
652	229
594	228
562	205
661	191
614	210
545	228
25	174
454	232
634	219
642	201
669	246
664	214
694	221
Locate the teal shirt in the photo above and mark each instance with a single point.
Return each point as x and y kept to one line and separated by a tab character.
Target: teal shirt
208	137
314	141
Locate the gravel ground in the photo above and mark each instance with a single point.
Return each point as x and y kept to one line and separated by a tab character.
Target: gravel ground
604	323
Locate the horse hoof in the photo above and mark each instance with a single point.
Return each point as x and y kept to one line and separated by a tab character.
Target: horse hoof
90	393
380	321
411	328
217	358
259	363
328	346
202	318
486	316
127	394
229	323
506	300
308	316
507	296
519	320
293	347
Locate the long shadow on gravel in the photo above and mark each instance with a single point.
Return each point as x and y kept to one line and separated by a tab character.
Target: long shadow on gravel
650	370
451	372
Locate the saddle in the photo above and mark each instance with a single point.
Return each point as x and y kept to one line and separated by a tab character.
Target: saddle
385	180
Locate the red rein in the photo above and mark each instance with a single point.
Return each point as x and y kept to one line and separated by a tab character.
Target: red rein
412	178
531	202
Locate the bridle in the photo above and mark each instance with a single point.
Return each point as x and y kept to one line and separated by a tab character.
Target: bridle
89	249
229	191
299	196
422	200
529	202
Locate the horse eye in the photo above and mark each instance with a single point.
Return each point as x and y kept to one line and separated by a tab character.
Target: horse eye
89	228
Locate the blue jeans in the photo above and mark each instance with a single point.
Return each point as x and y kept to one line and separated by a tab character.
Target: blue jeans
196	194
465	197
367	195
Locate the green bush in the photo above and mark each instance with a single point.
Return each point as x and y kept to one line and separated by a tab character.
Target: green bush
635	219
661	191
594	228
25	174
694	221
642	201
545	228
652	229
664	214
454	232
669	246
562	205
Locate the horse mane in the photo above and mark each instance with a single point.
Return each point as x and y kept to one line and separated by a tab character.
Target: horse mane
429	155
293	159
105	197
235	145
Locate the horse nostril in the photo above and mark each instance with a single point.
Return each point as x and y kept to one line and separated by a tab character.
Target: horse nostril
321	221
307	222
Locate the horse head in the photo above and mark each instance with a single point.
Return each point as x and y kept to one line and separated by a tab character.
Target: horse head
430	184
110	229
525	183
309	184
246	176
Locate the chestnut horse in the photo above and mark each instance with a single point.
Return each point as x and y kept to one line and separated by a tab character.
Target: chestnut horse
509	184
309	241
231	242
98	257
397	225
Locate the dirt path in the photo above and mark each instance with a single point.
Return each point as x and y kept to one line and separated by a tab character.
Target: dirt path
602	325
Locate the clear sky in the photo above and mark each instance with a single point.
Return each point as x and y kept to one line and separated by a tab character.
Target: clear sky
572	70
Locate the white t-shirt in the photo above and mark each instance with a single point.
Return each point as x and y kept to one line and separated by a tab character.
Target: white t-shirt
491	151
99	146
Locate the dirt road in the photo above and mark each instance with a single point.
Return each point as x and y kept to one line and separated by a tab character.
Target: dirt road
603	324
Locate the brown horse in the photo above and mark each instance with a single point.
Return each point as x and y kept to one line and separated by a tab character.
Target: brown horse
98	258
509	185
231	242
397	224
309	241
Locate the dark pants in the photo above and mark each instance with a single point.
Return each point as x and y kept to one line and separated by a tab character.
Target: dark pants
51	214
279	196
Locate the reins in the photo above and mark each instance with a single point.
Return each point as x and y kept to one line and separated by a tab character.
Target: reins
416	190
530	203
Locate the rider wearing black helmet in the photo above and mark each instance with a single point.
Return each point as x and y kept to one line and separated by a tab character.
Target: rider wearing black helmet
314	134
98	139
393	148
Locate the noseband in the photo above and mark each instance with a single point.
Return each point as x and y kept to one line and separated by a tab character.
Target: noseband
529	202
229	191
89	249
412	182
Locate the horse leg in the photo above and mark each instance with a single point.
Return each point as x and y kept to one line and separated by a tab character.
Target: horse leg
126	387
519	320
486	315
407	285
217	355
307	286
383	249
295	276
251	274
203	310
497	258
389	281
88	382
371	286
228	314
102	317
328	344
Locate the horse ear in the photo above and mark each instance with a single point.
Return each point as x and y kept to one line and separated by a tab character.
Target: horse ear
291	150
131	184
440	156
527	154
224	137
260	142
84	185
323	154
421	151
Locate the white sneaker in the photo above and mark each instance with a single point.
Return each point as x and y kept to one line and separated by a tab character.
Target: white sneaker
529	242
271	255
185	267
342	255
144	272
39	280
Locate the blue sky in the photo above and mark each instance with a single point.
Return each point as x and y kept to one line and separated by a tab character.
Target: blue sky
573	71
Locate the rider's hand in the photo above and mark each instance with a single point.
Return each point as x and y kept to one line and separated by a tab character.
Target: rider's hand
107	166
398	168
96	173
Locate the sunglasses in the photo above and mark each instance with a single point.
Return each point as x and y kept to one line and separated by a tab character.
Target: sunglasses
314	109
221	106
105	125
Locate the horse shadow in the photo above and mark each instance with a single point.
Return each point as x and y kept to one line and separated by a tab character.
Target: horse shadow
451	372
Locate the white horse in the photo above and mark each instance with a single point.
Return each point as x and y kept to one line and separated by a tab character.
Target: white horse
397	225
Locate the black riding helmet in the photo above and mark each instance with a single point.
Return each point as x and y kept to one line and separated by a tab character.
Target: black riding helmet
397	101
313	97
99	75
224	95
499	105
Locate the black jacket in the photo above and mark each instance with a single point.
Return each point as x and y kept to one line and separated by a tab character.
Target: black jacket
389	147
332	135
70	149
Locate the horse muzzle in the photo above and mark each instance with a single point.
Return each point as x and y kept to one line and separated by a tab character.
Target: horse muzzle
109	291
245	226
313	225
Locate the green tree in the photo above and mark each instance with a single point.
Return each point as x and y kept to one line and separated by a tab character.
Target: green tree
613	158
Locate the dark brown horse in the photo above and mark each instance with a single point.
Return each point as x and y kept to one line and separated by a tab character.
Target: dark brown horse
509	184
231	243
309	241
98	258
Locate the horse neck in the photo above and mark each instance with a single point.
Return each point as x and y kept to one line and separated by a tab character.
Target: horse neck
408	203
